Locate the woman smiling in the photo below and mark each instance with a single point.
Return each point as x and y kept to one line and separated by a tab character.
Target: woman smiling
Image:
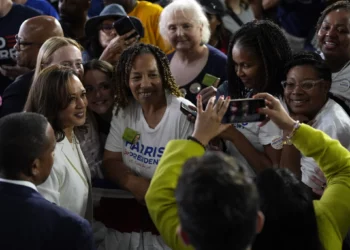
256	59
306	89
58	94
147	109
333	33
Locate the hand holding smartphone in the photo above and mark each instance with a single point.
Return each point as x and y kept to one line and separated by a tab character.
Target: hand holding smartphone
246	110
125	25
239	111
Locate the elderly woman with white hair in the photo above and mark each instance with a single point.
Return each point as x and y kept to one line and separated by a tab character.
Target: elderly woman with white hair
197	67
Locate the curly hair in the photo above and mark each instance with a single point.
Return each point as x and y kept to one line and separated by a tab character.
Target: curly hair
329	9
127	58
313	59
267	41
321	67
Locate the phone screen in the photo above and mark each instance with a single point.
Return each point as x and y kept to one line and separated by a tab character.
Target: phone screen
245	110
123	26
186	110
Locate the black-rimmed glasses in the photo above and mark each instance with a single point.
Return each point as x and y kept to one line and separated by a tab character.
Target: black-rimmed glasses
21	44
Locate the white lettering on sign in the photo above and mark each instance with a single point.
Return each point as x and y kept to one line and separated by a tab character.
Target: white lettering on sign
2	43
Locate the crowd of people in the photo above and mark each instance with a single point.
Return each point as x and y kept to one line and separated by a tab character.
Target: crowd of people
97	151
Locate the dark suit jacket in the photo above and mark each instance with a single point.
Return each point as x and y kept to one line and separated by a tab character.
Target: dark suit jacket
15	95
28	221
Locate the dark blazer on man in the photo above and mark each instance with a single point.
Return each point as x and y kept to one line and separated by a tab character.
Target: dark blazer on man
28	221
15	95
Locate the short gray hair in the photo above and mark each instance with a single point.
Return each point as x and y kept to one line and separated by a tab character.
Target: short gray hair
197	15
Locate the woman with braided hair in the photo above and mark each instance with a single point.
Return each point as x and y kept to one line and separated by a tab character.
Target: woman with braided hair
256	58
147	116
333	34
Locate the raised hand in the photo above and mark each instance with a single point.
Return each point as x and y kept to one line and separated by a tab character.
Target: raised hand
208	123
276	112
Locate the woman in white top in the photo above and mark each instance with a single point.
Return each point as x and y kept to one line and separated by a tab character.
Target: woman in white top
306	91
256	58
333	30
58	94
147	116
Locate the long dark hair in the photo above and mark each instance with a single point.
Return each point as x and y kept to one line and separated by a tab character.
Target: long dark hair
290	219
104	67
93	46
49	95
269	43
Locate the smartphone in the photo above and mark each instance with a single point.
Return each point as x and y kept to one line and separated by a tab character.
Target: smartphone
245	110
7	61
125	25
186	110
239	111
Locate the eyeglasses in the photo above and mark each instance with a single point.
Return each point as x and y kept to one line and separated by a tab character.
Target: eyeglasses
305	85
107	28
21	44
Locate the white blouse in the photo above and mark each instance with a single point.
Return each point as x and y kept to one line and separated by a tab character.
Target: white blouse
69	183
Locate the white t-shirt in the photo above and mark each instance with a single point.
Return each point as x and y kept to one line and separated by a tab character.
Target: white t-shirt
335	122
341	84
143	157
258	137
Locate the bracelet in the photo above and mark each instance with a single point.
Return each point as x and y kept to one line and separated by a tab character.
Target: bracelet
288	140
191	138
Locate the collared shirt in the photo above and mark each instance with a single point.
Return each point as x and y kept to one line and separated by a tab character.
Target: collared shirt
22	183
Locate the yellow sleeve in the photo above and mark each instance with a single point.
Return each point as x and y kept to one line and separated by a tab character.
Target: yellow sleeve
160	197
333	210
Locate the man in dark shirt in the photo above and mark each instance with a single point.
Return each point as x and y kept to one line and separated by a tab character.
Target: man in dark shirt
28	220
11	18
32	34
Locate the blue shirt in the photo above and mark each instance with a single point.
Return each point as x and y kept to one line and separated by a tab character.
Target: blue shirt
43	6
9	27
96	6
299	17
216	66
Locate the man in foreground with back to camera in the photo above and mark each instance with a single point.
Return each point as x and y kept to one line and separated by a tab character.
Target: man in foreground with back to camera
27	220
